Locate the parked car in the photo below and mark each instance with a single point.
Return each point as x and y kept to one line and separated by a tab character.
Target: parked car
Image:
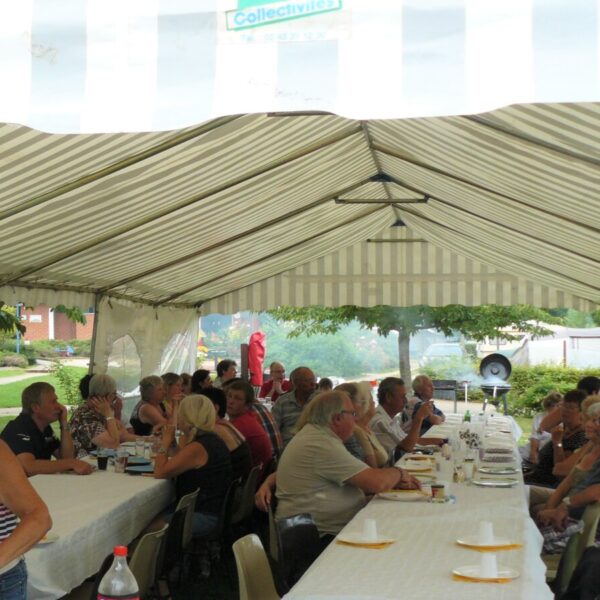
439	352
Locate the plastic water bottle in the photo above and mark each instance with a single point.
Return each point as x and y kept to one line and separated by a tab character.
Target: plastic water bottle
119	582
467	417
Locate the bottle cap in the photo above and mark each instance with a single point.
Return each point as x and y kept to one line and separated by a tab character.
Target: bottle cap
120	551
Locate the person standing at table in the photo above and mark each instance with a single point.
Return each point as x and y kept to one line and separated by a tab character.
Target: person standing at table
288	408
24	520
277	384
32	440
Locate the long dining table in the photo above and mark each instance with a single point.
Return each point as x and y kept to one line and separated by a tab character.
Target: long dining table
91	514
420	562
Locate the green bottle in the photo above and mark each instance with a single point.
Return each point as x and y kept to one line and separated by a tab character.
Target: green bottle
467	417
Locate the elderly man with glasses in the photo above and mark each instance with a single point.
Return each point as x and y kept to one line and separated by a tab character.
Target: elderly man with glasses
318	475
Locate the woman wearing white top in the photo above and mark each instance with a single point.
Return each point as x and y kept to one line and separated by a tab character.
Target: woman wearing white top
539	438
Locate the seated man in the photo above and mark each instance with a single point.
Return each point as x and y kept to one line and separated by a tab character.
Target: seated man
288	408
319	476
277	384
31	438
391	395
423	388
226	370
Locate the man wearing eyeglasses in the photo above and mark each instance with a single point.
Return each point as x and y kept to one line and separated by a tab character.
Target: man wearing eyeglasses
317	475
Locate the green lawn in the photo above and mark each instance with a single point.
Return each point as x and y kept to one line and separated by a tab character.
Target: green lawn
525	424
10	393
10	372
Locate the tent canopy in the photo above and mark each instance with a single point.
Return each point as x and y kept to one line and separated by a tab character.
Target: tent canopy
200	217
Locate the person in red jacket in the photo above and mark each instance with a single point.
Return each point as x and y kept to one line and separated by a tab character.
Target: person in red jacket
240	397
277	384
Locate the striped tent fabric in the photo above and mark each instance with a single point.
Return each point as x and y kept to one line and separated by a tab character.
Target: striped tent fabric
248	211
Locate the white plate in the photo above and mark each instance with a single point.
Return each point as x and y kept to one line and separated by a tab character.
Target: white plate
357	538
425	477
500	482
49	538
425	458
473	540
417	465
498	470
473	571
403	495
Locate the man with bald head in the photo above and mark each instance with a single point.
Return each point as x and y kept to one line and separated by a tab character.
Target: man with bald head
423	389
289	406
277	384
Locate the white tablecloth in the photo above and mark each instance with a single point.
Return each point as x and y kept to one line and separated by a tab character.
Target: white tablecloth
420	563
91	514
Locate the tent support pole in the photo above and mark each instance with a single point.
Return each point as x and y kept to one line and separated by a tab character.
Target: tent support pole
94	334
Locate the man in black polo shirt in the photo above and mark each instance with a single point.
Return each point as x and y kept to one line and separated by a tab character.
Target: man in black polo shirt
32	439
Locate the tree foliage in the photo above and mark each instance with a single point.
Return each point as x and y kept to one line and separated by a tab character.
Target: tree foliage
9	323
475	322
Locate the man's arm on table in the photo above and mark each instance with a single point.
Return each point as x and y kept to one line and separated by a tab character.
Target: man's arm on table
374	481
36	466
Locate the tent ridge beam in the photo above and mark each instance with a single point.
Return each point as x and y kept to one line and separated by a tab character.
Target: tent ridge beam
269	256
246	233
172	142
369	140
144	221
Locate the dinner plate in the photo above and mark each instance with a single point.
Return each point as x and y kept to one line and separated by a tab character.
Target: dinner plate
419	457
495	482
473	542
49	538
417	466
498	470
128	445
357	539
474	572
403	495
425	477
498	458
139	469
138	460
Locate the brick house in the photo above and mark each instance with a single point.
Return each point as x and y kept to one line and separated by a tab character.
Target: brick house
44	324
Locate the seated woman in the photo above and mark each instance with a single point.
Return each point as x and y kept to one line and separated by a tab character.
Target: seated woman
201	381
240	397
201	462
97	422
365	407
149	413
538	439
581	487
186	384
241	458
173	392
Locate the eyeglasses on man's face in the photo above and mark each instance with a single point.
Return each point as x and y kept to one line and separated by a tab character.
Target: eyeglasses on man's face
348	412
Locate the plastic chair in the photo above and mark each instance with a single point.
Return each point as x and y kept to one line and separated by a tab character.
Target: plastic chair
254	573
244	502
171	550
187	503
299	544
144	560
576	546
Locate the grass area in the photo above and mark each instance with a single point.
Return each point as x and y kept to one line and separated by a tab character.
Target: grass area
10	372
10	393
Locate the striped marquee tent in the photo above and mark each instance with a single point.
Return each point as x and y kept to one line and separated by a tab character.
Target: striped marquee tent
203	203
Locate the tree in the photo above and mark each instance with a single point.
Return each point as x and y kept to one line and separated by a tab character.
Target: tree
9	323
476	322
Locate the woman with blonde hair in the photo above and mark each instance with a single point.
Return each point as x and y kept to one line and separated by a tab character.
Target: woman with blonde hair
365	407
200	462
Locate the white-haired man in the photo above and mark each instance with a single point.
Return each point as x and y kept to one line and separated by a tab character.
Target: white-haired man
277	383
318	475
32	440
423	389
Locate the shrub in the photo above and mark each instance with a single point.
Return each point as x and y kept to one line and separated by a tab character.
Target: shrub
529	385
12	359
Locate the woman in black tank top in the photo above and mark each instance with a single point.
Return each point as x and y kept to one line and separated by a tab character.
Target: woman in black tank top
202	461
149	412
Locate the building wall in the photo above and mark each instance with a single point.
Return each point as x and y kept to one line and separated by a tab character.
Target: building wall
64	329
